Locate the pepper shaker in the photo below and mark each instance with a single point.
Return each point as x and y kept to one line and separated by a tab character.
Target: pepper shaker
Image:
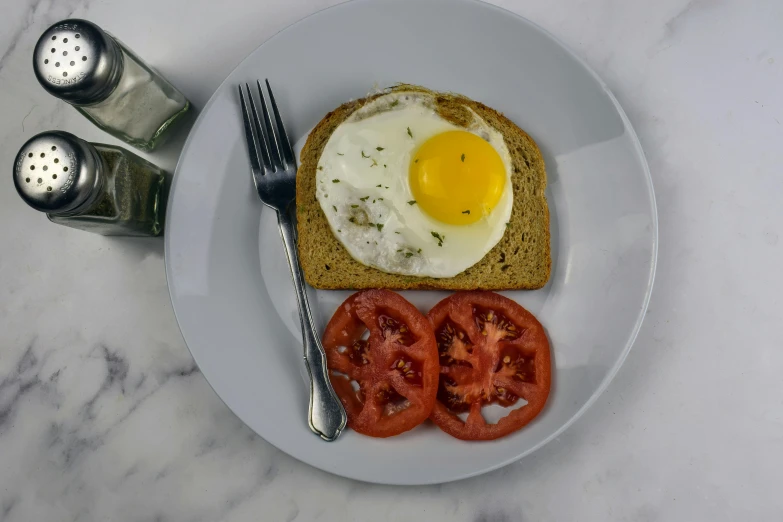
94	187
78	62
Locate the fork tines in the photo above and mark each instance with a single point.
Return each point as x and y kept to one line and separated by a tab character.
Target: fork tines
269	149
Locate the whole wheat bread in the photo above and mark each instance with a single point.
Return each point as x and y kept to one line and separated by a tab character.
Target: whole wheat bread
521	260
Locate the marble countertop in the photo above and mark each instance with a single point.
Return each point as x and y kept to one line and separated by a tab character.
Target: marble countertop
104	415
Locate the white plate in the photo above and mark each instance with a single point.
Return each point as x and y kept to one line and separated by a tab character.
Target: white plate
229	283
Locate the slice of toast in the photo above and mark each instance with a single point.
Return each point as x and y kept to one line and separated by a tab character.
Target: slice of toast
520	260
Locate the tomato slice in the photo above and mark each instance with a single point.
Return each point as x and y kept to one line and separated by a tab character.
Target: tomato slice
491	350
386	380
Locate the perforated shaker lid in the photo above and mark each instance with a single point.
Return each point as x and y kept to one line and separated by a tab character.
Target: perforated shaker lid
56	172
77	61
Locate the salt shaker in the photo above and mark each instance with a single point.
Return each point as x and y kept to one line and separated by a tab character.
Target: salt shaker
78	62
94	187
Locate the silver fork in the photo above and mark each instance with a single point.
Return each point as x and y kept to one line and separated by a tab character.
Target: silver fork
274	173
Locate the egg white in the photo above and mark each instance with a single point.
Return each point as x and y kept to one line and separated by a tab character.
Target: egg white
363	188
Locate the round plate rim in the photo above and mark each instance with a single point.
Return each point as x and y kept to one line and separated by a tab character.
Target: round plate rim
642	311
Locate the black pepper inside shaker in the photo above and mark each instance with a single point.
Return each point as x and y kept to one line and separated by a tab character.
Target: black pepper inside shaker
94	187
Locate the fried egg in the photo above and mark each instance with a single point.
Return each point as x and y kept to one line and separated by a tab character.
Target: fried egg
408	192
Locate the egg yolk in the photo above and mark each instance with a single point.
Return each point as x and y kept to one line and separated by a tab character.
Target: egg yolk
457	177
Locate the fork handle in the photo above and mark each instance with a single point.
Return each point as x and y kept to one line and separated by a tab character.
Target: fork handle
326	416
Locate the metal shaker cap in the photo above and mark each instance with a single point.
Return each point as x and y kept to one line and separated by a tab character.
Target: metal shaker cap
75	60
57	173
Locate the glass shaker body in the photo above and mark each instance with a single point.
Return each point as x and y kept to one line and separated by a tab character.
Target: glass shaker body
141	108
130	202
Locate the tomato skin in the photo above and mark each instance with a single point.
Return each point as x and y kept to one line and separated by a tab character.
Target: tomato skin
491	350
396	367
